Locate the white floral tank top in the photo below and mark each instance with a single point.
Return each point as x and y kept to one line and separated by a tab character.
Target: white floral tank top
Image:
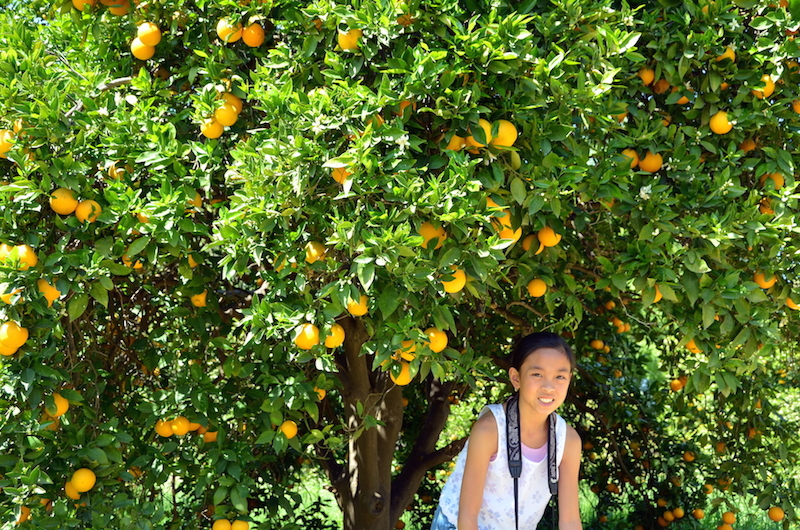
497	509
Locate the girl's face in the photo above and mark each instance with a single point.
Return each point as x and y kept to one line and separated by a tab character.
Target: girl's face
543	379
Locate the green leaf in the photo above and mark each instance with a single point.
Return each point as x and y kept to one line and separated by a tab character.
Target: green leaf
388	301
99	293
366	274
137	246
77	305
518	190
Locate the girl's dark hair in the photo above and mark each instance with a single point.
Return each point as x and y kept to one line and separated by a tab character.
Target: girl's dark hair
534	341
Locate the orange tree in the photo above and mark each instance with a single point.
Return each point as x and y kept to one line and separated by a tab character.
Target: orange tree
239	236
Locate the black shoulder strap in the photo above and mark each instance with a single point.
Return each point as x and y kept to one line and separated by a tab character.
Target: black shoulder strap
514	451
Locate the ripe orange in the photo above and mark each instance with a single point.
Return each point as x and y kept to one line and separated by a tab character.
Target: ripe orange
142	51
12	335
221	524
630	153
428	232
228	32
199	300
457	283
537	288
253	35
307	336
676	385
63	201
404	377
688	456
692	347
647	75
456	143
349	40
148	34
210	436
597	344
729	518
234	100
288	428
240	525
180	426
658	296
321	393
727	54
791	304
651	162
661	86
747	145
118	7
80	5
315	251
26	256
226	114
762	282
6	142
83	479
506	134
678	512
698	514
719	123
769	87
776	513
164	428
487	130
70	491
335	337
60	406
360	308
407	351
438	339
211	129
88	211
777	180
765	206
340	174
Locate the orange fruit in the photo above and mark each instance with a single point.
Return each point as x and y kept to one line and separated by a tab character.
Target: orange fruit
63	201
727	54
228	32
537	288
428	232
60	406
211	129
321	393
506	134
456	143
119	7
199	300
630	153
335	337
647	75
762	282
437	339
164	428
180	426
240	525
148	34
487	130
226	114
234	100
776	513
6	142
88	211
288	428
661	86
597	344
407	351
777	180
457	283
791	304
678	512
12	335
26	256
221	524
349	40
340	174
83	479
698	514
210	436
80	5
769	87
747	145
719	123
658	296
315	251
651	162
404	377
360	308
676	385
70	491
729	518
142	51
689	456
307	336
253	35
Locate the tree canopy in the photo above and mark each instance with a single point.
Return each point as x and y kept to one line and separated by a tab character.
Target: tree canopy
241	239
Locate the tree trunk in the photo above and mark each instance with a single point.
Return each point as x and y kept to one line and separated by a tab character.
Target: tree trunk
363	485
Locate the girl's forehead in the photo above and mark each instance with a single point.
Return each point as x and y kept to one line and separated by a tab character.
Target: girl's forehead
547	358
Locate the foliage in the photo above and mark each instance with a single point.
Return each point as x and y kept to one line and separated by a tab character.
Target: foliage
186	295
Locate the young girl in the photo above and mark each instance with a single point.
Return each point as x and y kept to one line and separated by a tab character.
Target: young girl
480	493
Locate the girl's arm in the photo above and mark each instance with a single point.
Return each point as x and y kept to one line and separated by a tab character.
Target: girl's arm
569	517
482	445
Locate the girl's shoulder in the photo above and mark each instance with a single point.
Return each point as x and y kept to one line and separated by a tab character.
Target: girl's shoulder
573	438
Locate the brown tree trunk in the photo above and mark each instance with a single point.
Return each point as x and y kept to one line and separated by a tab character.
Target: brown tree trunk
363	485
